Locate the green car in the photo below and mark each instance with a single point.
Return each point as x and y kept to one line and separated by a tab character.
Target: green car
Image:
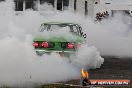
64	44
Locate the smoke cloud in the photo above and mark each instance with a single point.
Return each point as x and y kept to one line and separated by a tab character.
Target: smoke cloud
19	64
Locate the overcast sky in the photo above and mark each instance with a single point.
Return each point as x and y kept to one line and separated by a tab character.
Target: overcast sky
118	1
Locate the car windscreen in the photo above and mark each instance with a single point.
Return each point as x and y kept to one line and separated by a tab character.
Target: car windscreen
57	27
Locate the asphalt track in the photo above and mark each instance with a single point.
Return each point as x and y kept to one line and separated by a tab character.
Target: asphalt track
112	68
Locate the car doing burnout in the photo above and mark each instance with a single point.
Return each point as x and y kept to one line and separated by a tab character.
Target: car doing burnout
61	44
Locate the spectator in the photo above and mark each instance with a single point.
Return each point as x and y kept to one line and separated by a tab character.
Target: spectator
100	16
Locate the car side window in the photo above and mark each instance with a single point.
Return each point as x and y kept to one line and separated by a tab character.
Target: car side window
74	29
42	28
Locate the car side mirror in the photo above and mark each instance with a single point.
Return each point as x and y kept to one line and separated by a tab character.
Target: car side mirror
85	36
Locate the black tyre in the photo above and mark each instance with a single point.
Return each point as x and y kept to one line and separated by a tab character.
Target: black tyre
86	82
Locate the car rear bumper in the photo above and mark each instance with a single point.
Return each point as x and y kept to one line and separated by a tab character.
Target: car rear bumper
61	53
57	51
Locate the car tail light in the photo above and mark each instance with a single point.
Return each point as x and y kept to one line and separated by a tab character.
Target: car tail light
35	44
45	44
70	45
78	46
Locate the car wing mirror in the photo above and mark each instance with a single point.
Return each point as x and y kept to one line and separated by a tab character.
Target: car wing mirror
85	36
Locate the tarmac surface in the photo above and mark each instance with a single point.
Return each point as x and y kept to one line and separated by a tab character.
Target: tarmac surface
112	68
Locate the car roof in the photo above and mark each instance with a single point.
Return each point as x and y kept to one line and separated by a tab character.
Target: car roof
68	23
